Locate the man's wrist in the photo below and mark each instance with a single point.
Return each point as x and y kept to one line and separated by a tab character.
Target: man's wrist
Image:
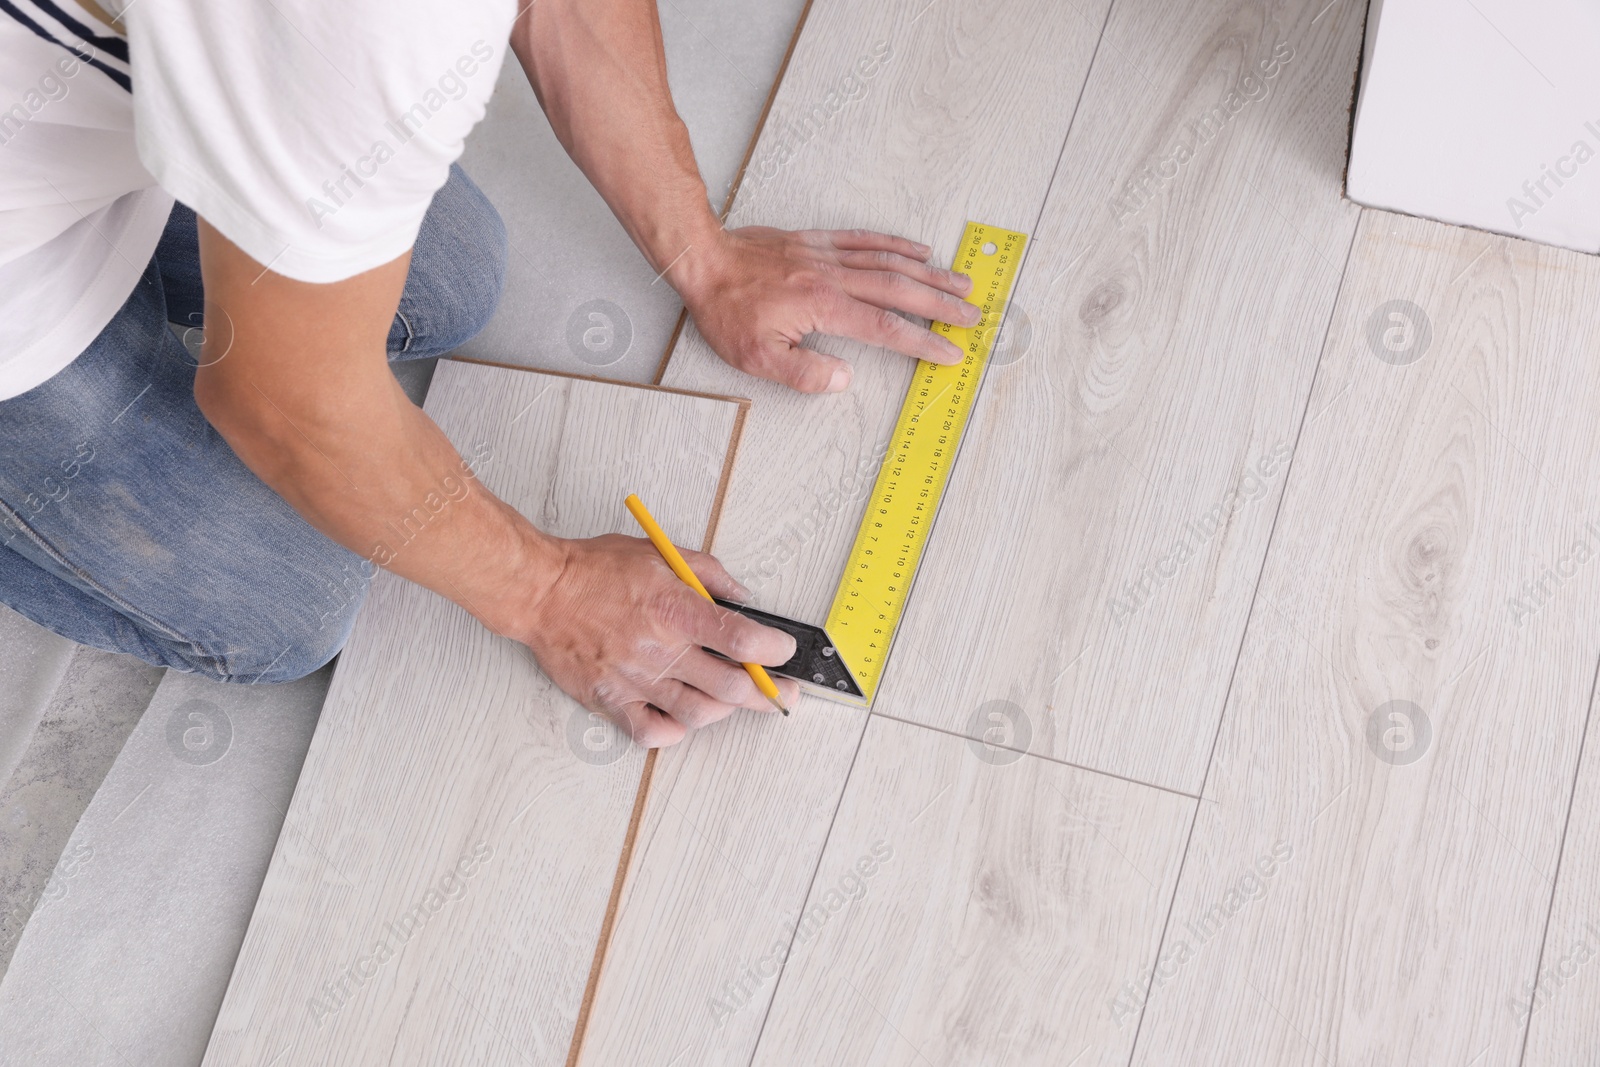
513	605
691	259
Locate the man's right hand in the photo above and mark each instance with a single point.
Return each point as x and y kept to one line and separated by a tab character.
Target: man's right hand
625	636
301	388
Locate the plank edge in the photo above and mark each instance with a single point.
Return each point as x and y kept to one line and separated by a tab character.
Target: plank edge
738	176
647	775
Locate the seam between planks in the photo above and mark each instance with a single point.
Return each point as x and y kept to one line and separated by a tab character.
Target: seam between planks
609	922
1072	122
738	177
816	868
1561	852
860	739
726	480
654	387
647	773
1233	674
1041	756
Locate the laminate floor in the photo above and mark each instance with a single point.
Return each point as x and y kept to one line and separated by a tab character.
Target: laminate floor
1406	717
973	906
1127	459
1253	466
1242	709
737	818
447	860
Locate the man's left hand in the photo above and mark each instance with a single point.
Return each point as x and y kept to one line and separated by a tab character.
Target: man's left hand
758	292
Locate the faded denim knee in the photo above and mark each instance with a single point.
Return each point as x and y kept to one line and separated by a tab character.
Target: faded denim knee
458	271
281	637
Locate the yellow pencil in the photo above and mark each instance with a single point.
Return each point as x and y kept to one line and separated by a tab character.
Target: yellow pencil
675	560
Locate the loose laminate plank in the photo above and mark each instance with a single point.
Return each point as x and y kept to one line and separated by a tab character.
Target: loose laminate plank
1106	523
1449	460
973	905
738	814
439	885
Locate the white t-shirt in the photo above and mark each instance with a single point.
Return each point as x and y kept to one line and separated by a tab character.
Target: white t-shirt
311	134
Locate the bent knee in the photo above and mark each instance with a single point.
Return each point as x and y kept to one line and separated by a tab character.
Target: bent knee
289	655
458	271
276	642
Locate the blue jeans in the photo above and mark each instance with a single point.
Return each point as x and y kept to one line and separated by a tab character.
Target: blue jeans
128	524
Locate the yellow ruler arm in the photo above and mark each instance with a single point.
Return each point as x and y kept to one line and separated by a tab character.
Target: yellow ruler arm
872	593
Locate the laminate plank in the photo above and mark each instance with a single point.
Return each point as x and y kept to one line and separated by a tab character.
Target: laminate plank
1105	526
1405	722
437	891
1559	1002
738	814
973	905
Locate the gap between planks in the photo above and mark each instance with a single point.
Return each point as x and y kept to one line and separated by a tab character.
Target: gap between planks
958	735
647	775
1244	631
738	175
1561	854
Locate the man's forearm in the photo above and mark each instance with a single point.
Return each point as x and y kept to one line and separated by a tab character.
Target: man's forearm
318	416
600	72
396	492
295	376
756	293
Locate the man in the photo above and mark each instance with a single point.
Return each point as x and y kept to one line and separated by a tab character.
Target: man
282	171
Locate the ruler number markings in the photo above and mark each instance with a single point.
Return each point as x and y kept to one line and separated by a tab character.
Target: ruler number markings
886	578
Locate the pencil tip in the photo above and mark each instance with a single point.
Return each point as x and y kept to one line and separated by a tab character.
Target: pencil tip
778	704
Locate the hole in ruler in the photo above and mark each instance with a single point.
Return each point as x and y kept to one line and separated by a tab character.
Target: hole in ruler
988	248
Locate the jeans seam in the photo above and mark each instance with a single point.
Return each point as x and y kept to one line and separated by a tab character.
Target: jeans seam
410	333
116	601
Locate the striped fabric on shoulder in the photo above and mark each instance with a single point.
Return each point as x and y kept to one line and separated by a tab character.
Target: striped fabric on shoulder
65	23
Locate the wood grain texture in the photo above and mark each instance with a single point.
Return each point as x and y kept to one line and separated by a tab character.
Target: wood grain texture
1106	523
445	784
1560	1001
973	906
913	153
736	818
1426	500
739	814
